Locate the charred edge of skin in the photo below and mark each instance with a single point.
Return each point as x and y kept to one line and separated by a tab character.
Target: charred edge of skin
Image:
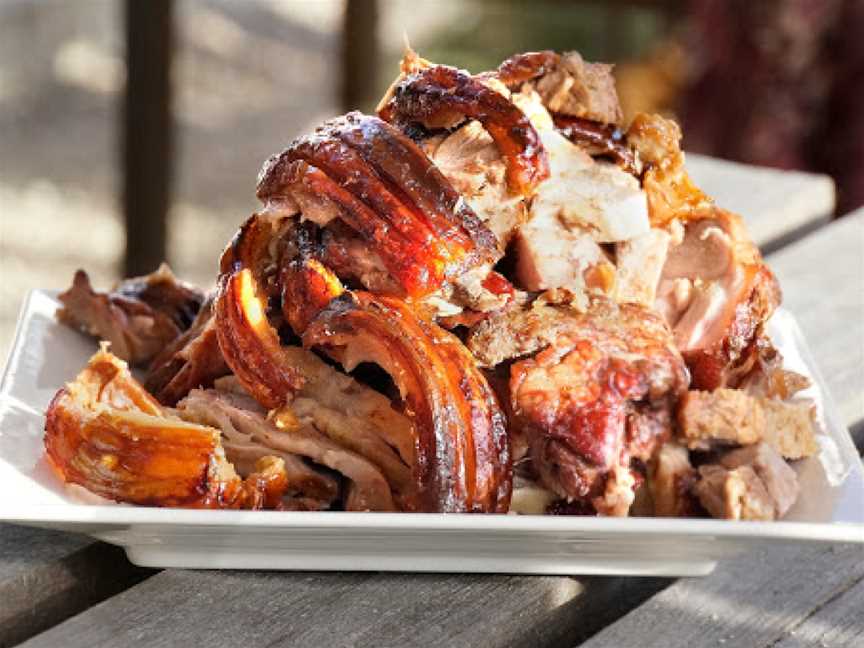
437	397
444	89
608	138
520	68
250	350
427	190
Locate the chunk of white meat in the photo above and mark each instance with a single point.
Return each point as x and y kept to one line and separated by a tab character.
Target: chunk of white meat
639	262
592	196
548	255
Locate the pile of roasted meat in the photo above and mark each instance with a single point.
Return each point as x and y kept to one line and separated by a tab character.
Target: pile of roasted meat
492	296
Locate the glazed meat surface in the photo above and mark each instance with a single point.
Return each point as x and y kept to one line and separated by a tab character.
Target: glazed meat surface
597	397
104	432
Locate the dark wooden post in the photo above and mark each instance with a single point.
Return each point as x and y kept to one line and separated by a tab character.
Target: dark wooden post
147	133
359	54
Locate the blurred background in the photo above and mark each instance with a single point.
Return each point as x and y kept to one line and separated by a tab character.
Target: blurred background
153	118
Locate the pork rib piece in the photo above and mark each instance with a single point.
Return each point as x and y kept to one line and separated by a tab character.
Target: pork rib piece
598	398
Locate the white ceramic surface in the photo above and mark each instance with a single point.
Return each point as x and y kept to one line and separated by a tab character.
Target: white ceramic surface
45	354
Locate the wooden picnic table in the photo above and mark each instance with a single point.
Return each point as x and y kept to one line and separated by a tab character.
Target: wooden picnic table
62	589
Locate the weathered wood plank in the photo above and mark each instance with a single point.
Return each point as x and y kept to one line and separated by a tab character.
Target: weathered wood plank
277	609
48	576
751	601
775	204
822	277
838	624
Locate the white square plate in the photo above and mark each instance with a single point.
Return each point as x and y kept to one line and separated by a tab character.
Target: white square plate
46	354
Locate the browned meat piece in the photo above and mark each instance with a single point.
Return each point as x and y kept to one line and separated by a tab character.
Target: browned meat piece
777	476
598	140
670	478
671	192
566	83
736	494
440	96
191	360
248	432
727	417
716	294
373	178
104	432
138	317
462	451
520	330
599	396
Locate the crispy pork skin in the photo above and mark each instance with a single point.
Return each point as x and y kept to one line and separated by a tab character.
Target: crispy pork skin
716	294
730	417
104	432
596	394
670	191
462	450
440	96
370	176
138	317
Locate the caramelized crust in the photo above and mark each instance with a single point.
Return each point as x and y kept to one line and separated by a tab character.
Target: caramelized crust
104	432
250	344
463	460
369	175
597	396
441	96
602	140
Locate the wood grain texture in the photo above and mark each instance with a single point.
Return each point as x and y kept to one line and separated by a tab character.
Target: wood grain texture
215	609
48	576
752	601
822	277
774	203
838	624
